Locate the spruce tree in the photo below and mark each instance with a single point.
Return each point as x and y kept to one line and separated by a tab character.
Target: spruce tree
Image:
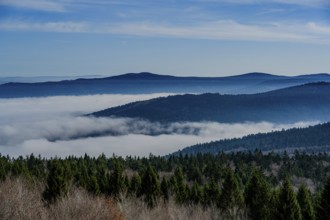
116	180
165	191
196	193
93	185
306	204
323	209
211	193
102	179
150	186
135	185
231	198
82	175
257	197
57	184
181	191
287	205
2	170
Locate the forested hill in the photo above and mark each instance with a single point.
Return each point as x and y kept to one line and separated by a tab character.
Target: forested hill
312	139
146	83
306	102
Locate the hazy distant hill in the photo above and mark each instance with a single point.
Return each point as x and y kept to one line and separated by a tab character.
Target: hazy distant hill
138	83
306	102
311	139
36	79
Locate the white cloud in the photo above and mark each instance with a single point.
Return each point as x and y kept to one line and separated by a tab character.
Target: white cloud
307	3
310	32
133	144
42	5
28	124
63	27
220	30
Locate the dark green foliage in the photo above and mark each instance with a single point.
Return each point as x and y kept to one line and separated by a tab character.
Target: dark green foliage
106	177
36	166
2	169
57	184
150	186
311	139
231	198
93	185
306	204
258	197
181	190
82	175
135	185
211	193
116	180
19	167
194	174
196	194
287	207
323	209
165	189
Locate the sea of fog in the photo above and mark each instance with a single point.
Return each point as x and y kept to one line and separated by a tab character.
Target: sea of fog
55	126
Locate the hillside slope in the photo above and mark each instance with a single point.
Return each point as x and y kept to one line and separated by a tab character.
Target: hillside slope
307	102
311	139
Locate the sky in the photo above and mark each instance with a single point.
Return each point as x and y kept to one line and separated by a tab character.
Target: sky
177	37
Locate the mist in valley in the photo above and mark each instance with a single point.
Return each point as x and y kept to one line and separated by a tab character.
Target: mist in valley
56	126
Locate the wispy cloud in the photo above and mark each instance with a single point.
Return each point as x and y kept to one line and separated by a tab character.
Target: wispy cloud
64	27
310	32
41	5
308	3
220	30
275	11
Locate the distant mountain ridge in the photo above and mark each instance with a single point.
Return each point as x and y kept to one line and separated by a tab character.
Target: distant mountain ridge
145	82
40	79
313	139
309	102
142	76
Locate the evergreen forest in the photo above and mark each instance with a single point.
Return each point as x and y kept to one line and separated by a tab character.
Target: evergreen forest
241	185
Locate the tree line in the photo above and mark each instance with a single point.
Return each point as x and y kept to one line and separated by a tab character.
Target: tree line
261	186
310	139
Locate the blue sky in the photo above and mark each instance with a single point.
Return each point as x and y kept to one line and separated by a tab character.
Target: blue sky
178	37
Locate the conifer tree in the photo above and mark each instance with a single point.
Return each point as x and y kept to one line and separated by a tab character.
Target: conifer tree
135	185
287	206
102	179
2	170
196	193
211	193
57	185
323	209
82	175
306	204
150	186
116	180
93	185
165	191
19	167
257	197
231	198
181	192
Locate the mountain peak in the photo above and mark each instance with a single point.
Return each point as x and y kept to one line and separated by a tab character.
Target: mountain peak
141	76
256	75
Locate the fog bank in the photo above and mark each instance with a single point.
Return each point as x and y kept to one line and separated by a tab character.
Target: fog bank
54	126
